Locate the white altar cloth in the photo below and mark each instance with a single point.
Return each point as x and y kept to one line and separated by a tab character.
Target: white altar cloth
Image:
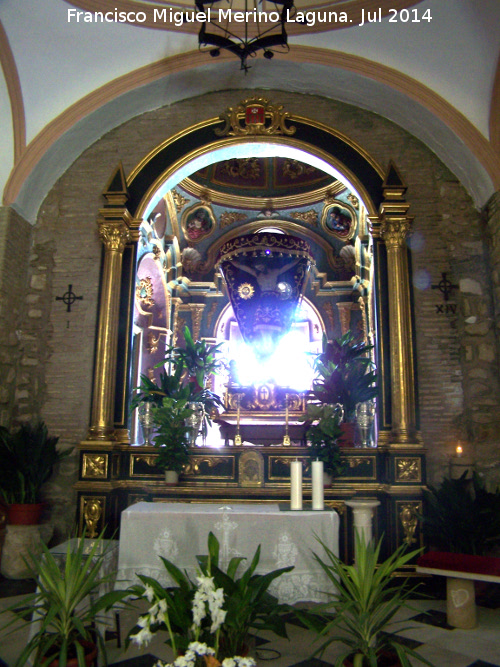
179	532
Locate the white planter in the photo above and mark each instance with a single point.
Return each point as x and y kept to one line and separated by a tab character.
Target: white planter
171	477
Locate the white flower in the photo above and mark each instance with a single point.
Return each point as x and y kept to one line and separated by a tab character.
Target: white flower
199	611
149	593
238	661
142	638
205	584
143	621
245	662
218	618
185	660
201	649
163	605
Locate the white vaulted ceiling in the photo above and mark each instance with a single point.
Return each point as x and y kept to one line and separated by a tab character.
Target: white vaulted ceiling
65	83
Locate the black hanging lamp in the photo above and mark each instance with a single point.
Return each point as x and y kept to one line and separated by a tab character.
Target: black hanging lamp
263	30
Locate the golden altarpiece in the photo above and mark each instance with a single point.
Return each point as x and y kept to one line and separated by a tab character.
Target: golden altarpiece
254	170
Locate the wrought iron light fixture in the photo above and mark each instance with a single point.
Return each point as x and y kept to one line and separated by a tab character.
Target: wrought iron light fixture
263	29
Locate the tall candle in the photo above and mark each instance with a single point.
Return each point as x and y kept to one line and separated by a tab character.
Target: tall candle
296	485
318	492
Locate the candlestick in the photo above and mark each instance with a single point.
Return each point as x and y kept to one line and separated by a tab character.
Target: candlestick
237	437
296	485
318	492
286	437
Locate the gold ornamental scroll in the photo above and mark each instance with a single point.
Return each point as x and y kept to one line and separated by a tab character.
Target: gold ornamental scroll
395	225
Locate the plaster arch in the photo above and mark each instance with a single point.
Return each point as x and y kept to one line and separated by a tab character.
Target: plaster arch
334	75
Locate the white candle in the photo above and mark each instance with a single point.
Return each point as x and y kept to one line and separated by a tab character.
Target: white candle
296	485
318	492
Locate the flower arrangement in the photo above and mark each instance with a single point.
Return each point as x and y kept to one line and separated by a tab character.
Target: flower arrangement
207	604
211	617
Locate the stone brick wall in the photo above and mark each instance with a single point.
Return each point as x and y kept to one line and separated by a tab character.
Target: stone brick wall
15	239
457	368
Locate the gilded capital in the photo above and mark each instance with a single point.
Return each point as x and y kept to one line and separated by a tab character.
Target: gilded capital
395	231
114	235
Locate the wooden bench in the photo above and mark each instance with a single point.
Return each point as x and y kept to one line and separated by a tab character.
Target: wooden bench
461	571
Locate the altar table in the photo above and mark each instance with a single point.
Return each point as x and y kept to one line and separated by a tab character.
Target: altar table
179	532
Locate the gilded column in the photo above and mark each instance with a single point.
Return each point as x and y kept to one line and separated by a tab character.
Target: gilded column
115	233
395	225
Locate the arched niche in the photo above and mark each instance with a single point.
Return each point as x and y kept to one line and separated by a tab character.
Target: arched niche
131	200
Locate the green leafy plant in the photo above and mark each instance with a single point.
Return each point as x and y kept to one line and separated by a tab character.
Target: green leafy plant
246	600
197	358
172	439
345	374
170	385
183	383
65	606
461	516
27	458
362	609
322	432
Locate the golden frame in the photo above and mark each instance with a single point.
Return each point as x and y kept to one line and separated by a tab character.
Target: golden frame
327	208
188	215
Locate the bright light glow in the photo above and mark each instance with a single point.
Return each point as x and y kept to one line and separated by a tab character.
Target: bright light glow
289	366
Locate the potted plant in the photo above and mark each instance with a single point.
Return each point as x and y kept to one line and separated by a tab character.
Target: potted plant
345	375
65	607
218	611
322	432
461	516
172	436
27	458
185	379
198	359
362	609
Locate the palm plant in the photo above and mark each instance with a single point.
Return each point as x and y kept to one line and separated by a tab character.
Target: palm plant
170	385
345	374
367	599
64	609
27	458
186	381
172	439
323	431
461	516
197	358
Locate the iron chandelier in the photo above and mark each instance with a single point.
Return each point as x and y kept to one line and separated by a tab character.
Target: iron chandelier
263	30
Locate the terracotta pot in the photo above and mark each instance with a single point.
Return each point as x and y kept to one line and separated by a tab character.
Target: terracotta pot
90	656
384	659
24	515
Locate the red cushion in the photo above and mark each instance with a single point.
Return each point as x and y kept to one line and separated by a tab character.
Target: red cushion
443	560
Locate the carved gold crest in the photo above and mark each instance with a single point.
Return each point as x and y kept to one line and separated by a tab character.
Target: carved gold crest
255	116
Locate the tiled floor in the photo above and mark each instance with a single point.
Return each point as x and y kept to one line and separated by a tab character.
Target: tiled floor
444	646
